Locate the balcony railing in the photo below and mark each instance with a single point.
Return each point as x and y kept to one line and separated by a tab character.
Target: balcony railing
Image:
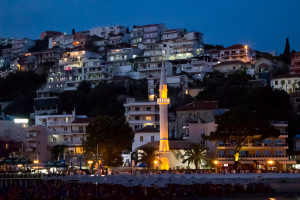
254	156
255	145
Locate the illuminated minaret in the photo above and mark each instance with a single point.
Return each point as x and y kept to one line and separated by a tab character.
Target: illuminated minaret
163	102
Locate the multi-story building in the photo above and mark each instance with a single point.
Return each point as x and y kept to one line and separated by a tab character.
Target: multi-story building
62	41
105	32
48	34
73	59
180	82
68	130
288	82
147	34
80	39
237	52
205	111
178	44
5	41
295	66
295	102
36	146
120	57
266	154
141	113
198	67
21	45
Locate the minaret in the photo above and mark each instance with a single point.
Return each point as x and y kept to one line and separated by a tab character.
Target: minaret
163	102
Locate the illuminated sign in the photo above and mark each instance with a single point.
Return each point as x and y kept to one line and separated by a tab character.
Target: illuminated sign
21	121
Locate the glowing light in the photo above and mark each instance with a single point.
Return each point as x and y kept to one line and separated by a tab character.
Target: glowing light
246	47
20	165
216	162
20	121
270	162
155	162
90	162
36	162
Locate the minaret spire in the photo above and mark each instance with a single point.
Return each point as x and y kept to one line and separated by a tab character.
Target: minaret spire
163	102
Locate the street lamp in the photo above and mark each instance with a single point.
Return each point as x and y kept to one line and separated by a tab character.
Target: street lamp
90	162
155	161
216	163
36	162
270	162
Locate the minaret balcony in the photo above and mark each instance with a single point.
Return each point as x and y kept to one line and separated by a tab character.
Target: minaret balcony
163	101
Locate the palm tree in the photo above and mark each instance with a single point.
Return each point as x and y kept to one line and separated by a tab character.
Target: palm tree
148	155
196	154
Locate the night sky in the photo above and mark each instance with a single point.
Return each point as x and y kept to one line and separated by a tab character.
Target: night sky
263	23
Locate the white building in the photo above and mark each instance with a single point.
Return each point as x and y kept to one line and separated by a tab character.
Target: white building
288	82
63	41
237	52
141	113
106	31
178	44
198	67
21	45
145	135
66	129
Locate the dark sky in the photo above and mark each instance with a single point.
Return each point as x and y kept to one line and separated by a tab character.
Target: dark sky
263	23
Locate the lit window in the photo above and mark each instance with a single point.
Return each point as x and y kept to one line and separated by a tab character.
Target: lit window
148	118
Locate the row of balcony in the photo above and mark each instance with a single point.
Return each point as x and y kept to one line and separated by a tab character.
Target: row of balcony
254	156
141	113
255	145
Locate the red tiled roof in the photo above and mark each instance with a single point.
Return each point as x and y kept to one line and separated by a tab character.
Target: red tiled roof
200	105
82	120
287	76
236	46
147	129
173	144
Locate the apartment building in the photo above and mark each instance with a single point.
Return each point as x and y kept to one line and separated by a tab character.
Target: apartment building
5	41
237	52
178	44
73	59
205	111
63	41
147	34
80	39
141	113
105	32
68	130
179	82
268	154
21	45
295	66
198	67
36	144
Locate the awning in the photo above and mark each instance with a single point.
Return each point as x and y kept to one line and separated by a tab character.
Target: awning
288	162
225	162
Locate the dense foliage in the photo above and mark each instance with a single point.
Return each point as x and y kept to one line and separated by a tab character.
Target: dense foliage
147	155
20	88
111	135
196	154
104	99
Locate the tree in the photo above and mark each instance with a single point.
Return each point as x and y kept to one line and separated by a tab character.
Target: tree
286	57
148	155
241	126
196	154
58	151
111	135
73	31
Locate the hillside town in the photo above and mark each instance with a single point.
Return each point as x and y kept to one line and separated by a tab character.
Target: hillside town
162	89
